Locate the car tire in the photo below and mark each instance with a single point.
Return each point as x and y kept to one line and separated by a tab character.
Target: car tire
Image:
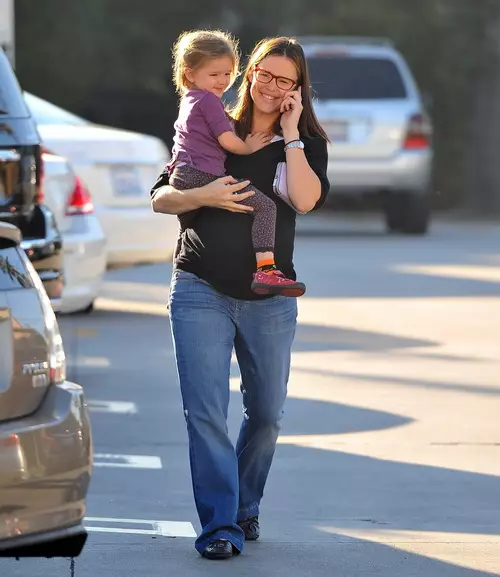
408	213
88	309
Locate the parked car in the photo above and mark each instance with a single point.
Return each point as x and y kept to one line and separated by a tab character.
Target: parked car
381	135
84	242
21	173
45	436
119	167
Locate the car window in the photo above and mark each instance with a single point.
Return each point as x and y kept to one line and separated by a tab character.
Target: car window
11	97
46	113
355	78
13	274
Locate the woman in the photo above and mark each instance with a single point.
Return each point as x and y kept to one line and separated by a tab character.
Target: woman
213	309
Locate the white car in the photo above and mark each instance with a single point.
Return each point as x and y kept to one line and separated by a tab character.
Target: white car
119	167
84	241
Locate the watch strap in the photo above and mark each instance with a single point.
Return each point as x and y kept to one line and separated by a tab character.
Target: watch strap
294	144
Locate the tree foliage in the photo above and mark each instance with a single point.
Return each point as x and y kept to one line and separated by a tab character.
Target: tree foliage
110	60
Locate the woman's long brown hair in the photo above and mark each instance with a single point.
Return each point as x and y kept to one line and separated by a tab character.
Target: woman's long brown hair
242	112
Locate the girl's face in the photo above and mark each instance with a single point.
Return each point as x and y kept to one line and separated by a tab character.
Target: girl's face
267	97
214	75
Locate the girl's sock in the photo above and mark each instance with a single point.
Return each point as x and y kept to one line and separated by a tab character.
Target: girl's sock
266	265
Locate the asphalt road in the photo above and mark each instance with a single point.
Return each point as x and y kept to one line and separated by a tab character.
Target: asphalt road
389	459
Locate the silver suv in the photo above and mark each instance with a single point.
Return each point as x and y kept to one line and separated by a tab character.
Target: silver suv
368	102
45	440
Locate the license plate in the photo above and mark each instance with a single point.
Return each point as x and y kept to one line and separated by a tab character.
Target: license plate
126	181
338	131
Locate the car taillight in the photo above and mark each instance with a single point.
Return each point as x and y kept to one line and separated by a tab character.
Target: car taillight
57	358
40	197
80	201
419	132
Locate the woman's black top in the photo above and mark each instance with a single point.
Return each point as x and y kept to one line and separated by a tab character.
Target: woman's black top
216	245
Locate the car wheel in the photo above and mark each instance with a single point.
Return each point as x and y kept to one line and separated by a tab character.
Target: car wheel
87	310
393	213
408	213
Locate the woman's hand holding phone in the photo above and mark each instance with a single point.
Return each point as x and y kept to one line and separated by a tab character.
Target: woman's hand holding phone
291	109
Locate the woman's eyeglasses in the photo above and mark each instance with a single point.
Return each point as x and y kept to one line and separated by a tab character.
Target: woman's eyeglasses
266	77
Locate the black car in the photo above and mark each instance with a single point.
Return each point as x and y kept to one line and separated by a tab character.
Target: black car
21	180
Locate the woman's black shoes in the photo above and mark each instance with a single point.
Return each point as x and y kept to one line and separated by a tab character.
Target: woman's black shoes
251	528
223	549
220	549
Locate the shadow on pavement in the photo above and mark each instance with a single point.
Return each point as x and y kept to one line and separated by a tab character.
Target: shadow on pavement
407	382
121	326
454	261
148	558
315	499
324	338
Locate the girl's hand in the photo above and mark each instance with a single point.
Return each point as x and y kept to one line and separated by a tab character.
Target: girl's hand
291	109
221	194
257	141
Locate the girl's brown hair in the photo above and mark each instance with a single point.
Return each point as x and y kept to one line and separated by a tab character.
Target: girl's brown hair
192	49
242	112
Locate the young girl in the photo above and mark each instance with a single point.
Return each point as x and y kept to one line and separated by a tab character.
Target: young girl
205	65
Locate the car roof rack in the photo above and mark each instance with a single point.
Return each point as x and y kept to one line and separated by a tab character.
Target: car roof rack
347	40
10	232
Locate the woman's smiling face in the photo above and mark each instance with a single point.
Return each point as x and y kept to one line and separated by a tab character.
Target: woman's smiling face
267	98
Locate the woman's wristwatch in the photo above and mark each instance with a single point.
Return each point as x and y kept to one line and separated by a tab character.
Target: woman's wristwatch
294	144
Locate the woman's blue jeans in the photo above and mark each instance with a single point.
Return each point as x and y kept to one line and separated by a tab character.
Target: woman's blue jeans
228	483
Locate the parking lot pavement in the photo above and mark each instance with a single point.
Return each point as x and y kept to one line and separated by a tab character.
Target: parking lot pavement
389	459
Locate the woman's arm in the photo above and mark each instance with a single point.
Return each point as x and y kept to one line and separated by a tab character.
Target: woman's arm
218	194
168	200
307	181
304	186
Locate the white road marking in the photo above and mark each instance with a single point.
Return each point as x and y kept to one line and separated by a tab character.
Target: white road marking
127	461
175	529
121	530
161	528
124	408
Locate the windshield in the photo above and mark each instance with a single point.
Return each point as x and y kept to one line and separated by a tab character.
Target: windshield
46	113
11	97
354	78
